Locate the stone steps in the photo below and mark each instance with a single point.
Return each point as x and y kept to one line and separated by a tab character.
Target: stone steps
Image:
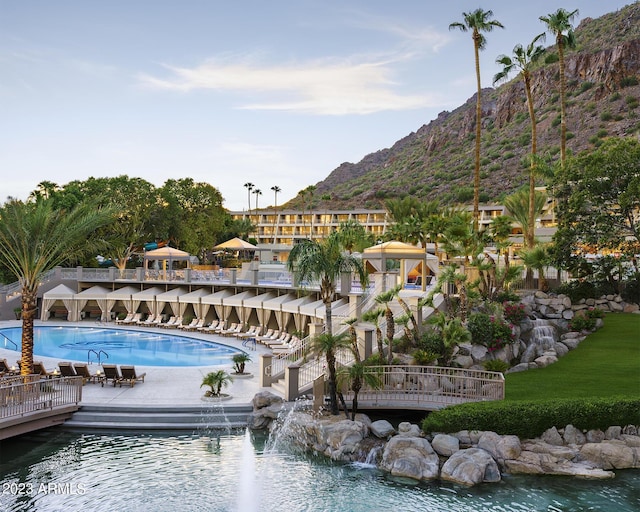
159	417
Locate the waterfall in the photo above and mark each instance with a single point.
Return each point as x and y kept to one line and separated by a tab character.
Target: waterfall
285	432
543	335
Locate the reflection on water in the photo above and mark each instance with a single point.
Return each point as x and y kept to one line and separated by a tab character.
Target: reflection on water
158	472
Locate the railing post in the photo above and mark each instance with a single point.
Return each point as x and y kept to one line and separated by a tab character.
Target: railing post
365	342
187	275
254	276
264	363
318	393
139	274
291	379
345	283
112	274
233	275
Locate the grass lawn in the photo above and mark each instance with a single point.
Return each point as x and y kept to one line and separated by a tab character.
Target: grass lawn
606	363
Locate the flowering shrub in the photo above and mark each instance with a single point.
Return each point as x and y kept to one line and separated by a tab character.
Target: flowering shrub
489	331
513	312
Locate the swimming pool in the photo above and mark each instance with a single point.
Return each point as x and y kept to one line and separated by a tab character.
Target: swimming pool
122	346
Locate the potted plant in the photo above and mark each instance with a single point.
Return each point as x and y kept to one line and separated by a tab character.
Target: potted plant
18	313
216	381
239	361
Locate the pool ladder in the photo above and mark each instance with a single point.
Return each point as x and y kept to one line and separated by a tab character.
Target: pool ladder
9	340
98	355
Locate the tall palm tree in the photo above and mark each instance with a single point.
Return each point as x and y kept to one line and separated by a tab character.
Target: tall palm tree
373	316
35	238
384	299
523	60
328	344
477	22
559	24
325	261
249	186
275	189
257	192
518	205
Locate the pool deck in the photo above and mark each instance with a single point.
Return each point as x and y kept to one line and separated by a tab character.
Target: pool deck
163	385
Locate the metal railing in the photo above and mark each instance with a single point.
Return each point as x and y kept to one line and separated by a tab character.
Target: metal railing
22	395
431	385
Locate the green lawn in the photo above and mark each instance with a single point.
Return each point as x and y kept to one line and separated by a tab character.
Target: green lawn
605	364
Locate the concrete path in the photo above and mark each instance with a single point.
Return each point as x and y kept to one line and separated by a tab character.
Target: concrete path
163	385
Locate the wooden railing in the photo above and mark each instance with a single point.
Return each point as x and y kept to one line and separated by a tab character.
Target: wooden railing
22	395
429	387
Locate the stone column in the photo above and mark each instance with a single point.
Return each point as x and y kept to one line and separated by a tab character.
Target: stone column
233	275
291	375
365	341
265	361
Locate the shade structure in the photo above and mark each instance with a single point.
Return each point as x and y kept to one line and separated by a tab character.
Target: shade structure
194	298
237	301
236	244
216	300
60	293
172	297
257	303
95	293
147	296
123	295
275	305
167	255
377	257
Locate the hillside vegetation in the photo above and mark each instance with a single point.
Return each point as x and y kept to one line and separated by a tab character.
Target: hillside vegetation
603	77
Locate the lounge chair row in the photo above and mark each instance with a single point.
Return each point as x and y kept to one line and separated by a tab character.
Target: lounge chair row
110	373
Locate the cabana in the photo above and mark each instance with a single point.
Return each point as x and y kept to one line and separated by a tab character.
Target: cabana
410	258
124	296
276	306
172	297
94	296
167	256
216	300
257	303
194	299
60	294
147	296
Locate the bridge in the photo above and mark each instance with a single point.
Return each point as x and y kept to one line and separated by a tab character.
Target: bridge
29	403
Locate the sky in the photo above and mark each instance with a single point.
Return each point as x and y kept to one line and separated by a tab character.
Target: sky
275	93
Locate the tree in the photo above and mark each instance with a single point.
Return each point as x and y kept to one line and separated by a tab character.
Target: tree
356	376
249	186
524	59
329	345
324	261
353	236
257	192
216	381
453	333
598	201
373	316
519	207
537	258
477	22
35	238
385	299
275	189
559	24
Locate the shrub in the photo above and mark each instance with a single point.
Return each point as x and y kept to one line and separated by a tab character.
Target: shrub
424	357
514	313
489	331
631	291
496	365
530	419
628	81
606	116
585	320
578	290
507	296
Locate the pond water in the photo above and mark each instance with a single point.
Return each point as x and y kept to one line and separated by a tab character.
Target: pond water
122	346
58	470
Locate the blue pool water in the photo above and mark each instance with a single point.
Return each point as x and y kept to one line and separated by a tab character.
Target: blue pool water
123	346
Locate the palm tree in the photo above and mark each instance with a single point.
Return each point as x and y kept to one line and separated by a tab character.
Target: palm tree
453	333
559	24
385	299
328	345
216	381
518	205
275	189
477	22
35	238
257	192
357	375
537	258
249	186
524	59
325	261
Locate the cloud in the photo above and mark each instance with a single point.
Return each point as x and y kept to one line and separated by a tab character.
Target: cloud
325	86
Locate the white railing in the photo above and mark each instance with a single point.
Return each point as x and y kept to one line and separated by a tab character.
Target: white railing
430	385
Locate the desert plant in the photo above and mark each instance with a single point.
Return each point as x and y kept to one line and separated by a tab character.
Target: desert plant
216	381
239	361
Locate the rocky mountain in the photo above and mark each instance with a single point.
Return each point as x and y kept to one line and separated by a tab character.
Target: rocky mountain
436	161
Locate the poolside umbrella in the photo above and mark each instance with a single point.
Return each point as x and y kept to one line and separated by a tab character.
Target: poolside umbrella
236	244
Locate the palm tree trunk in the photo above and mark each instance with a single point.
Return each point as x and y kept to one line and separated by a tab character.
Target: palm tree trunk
333	397
563	103
476	172
29	303
530	238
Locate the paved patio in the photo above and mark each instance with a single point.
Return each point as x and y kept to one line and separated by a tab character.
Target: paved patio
163	385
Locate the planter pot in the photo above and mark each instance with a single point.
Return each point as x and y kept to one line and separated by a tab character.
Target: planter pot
215	399
245	375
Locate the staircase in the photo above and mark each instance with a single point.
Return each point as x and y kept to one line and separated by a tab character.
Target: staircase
159	417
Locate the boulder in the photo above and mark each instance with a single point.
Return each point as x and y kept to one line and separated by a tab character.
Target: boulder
612	454
445	445
614	432
561	349
500	447
410	457
595	436
552	436
382	429
408	429
265	399
573	436
532	463
470	467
